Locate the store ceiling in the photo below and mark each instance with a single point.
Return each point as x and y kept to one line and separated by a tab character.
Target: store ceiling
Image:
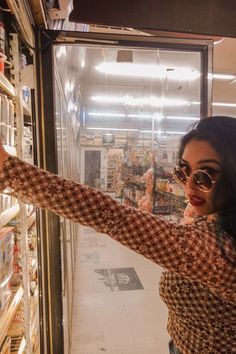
81	62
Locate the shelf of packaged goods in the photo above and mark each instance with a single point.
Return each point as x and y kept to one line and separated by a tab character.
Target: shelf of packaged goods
18	345
9	214
140	186
9	311
6	86
30	221
179	197
126	196
10	149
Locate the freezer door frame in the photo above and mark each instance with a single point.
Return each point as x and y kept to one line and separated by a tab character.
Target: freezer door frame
51	277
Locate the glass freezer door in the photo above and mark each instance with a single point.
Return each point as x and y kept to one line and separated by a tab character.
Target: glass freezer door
131	97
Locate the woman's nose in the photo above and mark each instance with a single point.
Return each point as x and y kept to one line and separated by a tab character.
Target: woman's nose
190	182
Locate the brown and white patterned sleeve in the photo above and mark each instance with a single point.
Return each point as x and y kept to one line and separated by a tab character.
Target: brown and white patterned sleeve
189	250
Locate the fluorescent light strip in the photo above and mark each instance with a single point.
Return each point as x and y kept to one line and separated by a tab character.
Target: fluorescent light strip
105	114
145	101
174	132
150	131
160	132
156	116
182	118
100	114
114	129
219	104
223	104
219	76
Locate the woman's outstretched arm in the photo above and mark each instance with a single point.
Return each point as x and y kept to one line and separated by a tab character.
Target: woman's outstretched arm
189	250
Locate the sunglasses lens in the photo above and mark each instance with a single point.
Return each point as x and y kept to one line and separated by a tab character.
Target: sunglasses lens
180	174
203	180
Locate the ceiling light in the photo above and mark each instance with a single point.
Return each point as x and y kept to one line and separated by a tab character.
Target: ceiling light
153	101
223	104
182	118
219	76
151	71
155	115
174	132
113	129
100	114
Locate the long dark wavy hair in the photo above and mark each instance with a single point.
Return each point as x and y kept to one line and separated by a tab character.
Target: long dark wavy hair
220	133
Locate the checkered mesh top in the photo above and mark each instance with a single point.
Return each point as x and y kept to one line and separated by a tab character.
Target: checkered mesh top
198	285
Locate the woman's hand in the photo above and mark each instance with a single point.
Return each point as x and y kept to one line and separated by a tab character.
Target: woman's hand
3	154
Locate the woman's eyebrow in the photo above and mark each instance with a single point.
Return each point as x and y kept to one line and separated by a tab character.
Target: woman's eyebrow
210	160
183	160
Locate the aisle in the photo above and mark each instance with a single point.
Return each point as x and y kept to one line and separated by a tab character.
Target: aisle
117	309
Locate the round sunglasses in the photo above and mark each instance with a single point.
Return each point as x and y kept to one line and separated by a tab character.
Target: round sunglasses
201	178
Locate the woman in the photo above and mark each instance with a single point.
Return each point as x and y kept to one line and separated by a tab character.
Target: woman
199	281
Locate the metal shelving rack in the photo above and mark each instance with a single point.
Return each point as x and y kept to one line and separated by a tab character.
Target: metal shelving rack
22	344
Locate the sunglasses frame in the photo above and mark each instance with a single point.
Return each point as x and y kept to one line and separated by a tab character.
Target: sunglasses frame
194	179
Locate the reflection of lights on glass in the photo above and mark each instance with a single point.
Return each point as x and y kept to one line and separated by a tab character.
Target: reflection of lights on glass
69	86
153	101
82	64
60	51
113	129
72	106
182	118
150	71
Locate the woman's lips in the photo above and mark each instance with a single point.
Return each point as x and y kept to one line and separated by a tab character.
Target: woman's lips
196	201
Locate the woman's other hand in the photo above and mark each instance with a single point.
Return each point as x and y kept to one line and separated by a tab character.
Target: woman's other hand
3	154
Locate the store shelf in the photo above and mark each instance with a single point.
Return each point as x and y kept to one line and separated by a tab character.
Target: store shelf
130	199
6	86
30	221
179	197
140	186
9	311
9	214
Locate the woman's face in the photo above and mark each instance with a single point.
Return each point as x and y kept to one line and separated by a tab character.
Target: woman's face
200	155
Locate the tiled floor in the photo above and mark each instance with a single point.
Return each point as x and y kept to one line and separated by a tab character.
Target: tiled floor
117	309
